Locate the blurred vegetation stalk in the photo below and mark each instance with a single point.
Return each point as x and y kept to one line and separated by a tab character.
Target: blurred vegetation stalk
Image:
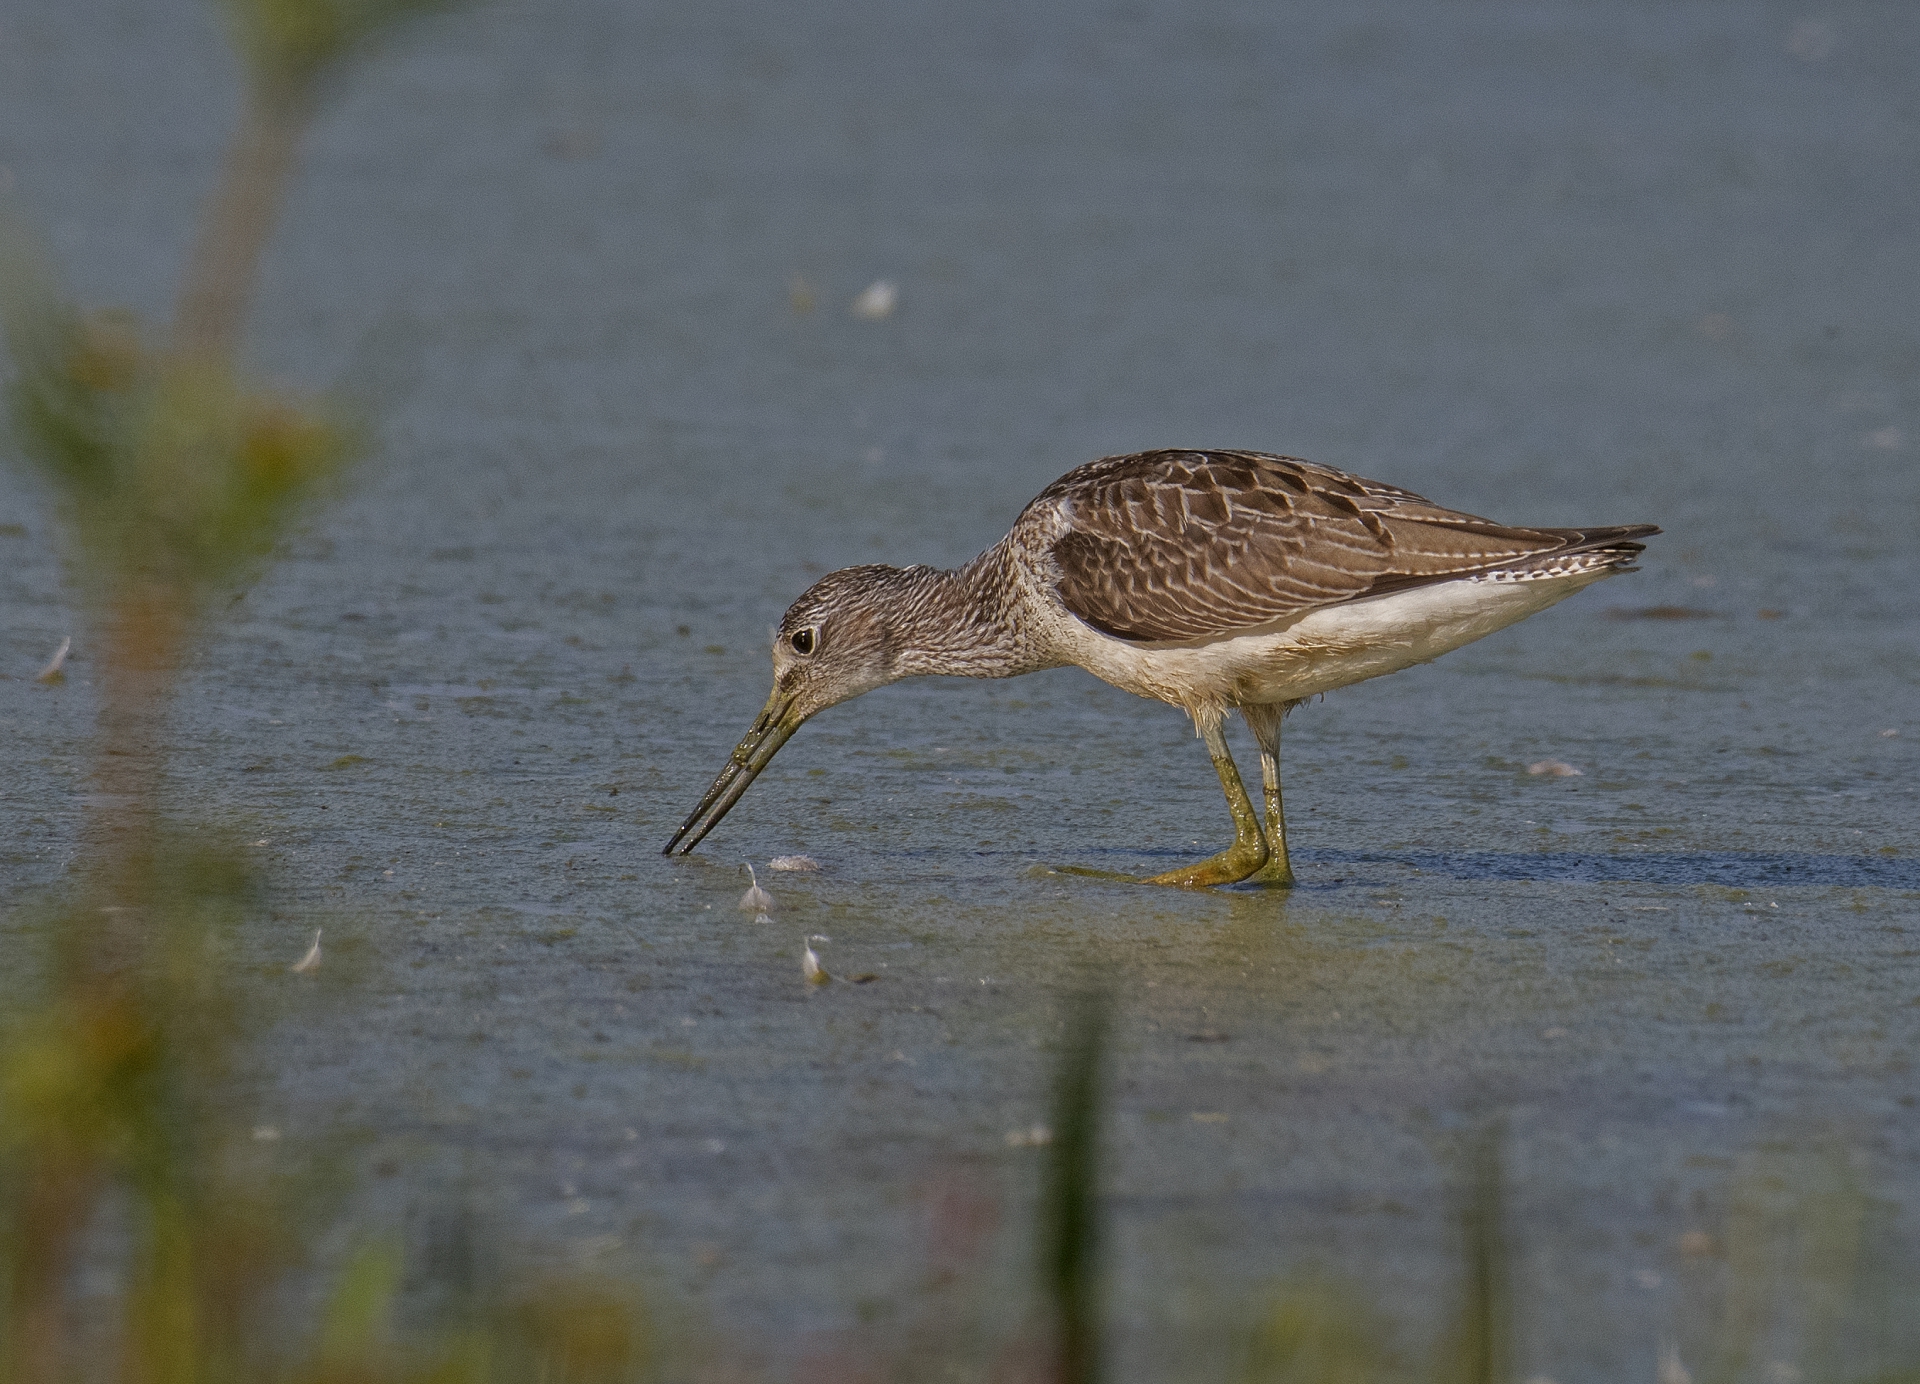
1071	1247
177	475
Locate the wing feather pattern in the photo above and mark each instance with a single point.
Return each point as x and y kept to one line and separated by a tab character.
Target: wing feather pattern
1178	545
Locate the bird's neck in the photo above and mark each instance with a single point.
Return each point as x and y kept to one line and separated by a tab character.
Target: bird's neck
968	623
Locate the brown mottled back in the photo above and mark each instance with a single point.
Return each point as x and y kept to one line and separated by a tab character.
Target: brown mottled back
1187	545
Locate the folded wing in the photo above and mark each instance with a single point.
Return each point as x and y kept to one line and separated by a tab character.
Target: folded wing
1191	545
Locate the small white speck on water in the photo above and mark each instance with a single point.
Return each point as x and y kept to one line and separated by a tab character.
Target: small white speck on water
1553	768
1671	1371
877	300
810	966
55	669
311	961
1033	1137
756	900
804	863
1889	734
265	1134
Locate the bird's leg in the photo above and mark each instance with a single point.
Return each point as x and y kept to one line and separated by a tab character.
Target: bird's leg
1264	722
1249	849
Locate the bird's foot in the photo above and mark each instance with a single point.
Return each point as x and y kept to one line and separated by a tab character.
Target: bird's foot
1088	872
1275	874
1241	860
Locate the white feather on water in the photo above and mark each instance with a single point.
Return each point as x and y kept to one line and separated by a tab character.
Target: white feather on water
756	900
311	961
877	300
1671	1370
54	671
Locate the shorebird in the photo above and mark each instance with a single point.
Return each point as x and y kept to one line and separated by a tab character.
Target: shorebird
1211	580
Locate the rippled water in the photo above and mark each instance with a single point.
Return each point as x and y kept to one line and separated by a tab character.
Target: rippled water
1605	263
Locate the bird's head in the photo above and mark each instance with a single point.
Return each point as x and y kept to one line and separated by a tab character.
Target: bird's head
840	639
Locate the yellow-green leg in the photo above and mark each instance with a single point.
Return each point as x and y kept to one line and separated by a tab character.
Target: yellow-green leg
1249	849
1264	722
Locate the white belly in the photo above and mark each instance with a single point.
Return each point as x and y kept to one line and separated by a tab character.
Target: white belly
1319	650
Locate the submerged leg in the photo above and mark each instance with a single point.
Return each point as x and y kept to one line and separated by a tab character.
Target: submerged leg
1249	849
1264	722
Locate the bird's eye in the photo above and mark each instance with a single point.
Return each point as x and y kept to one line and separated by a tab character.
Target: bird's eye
802	641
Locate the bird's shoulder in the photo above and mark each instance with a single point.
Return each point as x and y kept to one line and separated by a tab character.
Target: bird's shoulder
1177	491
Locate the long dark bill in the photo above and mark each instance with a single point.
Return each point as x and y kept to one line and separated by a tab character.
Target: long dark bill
773	729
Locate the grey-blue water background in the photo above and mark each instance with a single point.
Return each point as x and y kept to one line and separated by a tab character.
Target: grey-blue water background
1597	263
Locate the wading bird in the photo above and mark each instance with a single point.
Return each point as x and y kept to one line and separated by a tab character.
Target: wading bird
1209	580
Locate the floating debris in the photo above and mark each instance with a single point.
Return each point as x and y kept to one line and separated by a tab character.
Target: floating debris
810	966
793	862
877	300
1889	734
863	978
311	961
55	671
1036	1136
1554	768
1671	1371
1661	612
265	1134
756	900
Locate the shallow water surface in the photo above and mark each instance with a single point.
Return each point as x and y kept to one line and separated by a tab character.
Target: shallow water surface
1602	264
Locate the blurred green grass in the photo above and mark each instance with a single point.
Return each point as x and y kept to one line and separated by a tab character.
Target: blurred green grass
177	475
